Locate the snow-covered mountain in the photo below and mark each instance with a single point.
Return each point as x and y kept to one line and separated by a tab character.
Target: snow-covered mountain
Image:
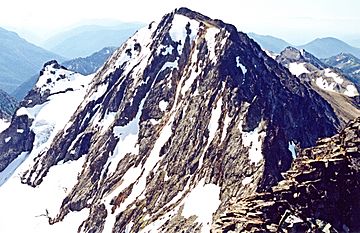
348	64
340	91
83	65
185	117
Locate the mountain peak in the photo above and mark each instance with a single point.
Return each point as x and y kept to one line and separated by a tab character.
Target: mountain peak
184	107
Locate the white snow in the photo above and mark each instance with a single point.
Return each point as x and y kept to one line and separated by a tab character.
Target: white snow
10	169
178	30
139	174
291	148
271	54
325	85
351	91
242	67
20	131
4	124
7	140
193	75
210	38
170	65
202	202
297	68
246	180
331	74
31	204
226	125
253	140
128	227
163	105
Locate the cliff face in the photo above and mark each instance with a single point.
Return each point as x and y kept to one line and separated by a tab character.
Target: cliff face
319	192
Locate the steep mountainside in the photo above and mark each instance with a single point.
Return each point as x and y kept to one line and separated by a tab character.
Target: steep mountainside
85	40
327	47
19	60
348	64
330	83
320	192
270	43
8	105
186	107
85	66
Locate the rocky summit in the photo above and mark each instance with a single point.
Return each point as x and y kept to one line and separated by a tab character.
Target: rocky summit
185	117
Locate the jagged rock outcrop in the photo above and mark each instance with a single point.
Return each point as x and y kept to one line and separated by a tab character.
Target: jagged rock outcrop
320	193
44	111
340	91
186	106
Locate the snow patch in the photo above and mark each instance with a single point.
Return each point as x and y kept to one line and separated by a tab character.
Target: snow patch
202	202
163	105
253	140
242	67
291	148
325	85
10	169
246	180
20	131
7	139
178	30
331	74
351	91
298	68
226	125
214	120
210	38
4	124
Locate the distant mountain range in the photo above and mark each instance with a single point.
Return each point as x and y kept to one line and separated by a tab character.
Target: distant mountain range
19	59
85	40
84	66
270	43
321	48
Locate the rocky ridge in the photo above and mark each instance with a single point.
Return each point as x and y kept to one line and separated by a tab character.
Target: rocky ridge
319	192
347	63
339	90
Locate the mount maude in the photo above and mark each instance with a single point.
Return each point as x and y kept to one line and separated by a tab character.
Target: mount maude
188	127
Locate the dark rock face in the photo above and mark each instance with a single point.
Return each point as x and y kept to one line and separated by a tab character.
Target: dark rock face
319	193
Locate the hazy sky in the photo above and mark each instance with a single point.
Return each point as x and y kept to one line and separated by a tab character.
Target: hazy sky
297	21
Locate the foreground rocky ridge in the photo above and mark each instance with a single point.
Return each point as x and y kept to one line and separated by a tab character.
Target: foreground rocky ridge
319	192
185	107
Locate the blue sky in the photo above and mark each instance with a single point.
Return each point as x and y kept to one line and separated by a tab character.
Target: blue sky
295	21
